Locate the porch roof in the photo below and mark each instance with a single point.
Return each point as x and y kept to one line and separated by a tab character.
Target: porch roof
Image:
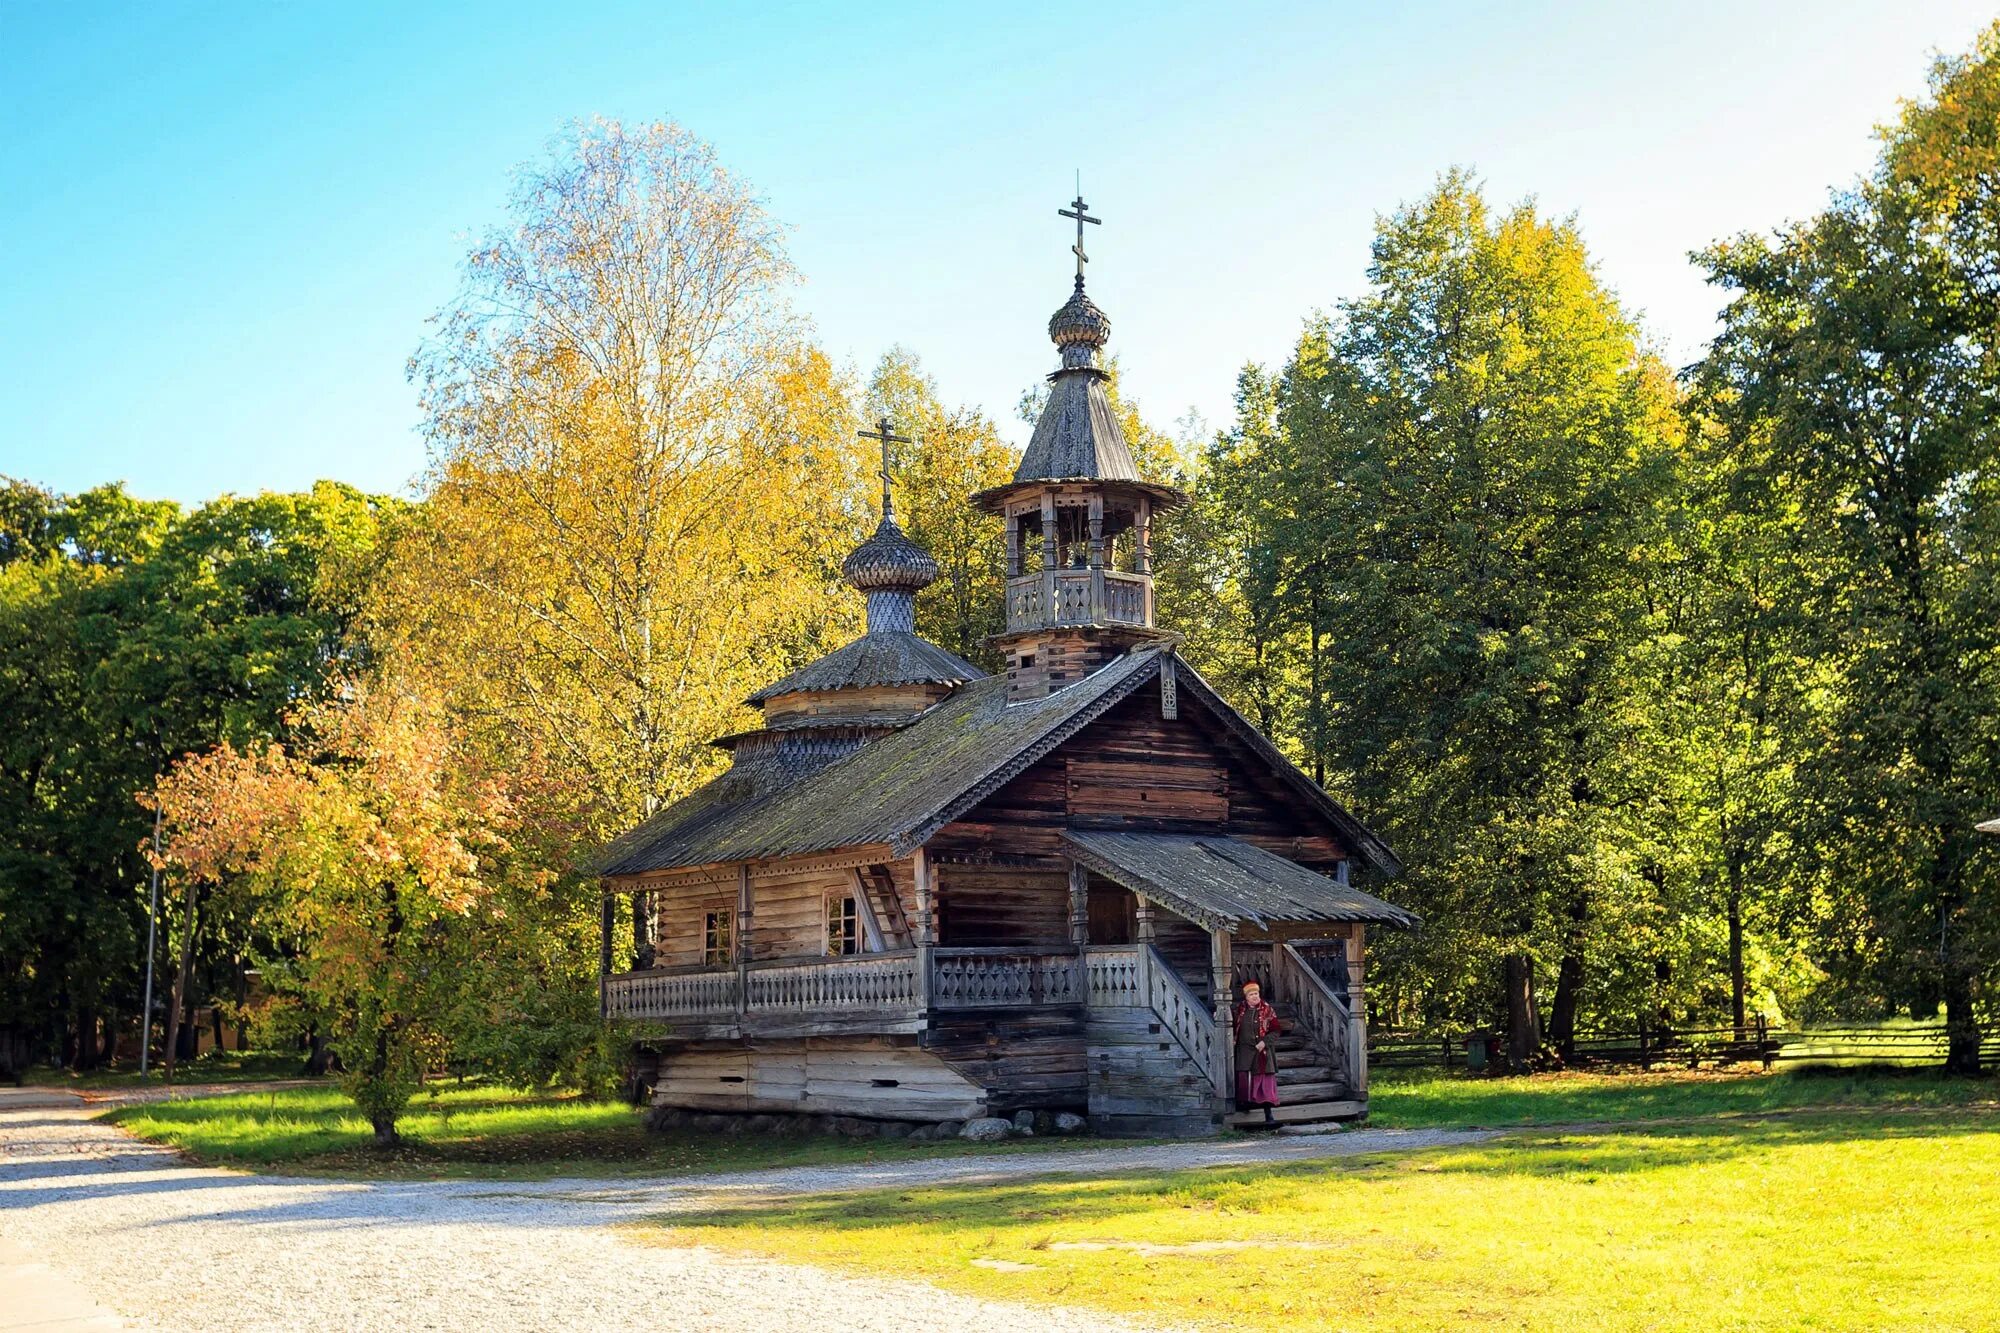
1224	881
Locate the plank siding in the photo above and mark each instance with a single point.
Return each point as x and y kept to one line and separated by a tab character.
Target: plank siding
876	1077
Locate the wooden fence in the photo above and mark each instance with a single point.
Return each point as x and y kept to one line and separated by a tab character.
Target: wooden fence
1646	1047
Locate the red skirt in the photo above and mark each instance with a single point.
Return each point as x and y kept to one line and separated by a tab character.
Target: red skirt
1256	1089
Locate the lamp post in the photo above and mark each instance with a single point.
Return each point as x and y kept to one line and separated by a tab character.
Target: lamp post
152	924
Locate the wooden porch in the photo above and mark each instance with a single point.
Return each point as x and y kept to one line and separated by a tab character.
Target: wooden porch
1129	995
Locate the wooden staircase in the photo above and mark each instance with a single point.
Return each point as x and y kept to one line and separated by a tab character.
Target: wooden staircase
1310	1089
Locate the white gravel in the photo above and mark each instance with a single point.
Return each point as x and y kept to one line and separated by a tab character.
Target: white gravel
171	1246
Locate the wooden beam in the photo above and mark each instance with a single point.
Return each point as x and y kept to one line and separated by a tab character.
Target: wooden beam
1221	965
926	923
1357	1020
744	923
871	929
1079	905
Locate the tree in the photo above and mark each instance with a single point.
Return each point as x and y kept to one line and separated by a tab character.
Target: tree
642	477
134	633
1468	453
955	452
1856	375
382	859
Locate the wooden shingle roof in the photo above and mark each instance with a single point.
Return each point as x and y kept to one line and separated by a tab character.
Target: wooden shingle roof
1224	881
877	658
903	787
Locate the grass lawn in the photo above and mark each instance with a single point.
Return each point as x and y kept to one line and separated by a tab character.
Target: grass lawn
1418	1099
492	1133
214	1067
1817	1220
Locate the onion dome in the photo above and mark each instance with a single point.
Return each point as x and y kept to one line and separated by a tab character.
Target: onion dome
1080	329
890	561
891	570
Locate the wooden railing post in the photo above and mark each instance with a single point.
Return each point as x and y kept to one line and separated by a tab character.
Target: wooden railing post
925	876
743	928
1079	906
1357	1016
1220	968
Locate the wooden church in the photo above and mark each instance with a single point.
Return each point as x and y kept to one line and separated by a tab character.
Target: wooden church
923	893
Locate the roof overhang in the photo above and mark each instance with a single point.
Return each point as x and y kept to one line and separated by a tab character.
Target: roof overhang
1223	882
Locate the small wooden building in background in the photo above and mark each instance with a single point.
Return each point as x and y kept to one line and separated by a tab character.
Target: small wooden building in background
924	893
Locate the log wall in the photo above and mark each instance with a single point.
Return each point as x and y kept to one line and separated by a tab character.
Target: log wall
1135	769
985	905
1022	1059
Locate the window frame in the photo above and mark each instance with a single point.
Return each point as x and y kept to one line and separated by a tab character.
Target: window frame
840	906
724	915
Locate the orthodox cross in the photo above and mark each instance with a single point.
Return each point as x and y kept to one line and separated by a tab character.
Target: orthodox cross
1081	216
886	433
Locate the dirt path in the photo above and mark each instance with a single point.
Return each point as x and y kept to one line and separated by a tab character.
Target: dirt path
133	1230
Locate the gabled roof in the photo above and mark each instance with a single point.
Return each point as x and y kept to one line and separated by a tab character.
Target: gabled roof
902	788
1223	881
881	657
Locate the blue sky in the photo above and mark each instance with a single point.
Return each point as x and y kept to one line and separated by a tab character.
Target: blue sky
224	225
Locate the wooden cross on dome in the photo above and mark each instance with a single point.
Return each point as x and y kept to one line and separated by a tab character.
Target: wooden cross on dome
1082	216
885	431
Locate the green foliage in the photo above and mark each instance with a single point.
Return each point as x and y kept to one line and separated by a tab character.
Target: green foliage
132	633
1855	384
1446	487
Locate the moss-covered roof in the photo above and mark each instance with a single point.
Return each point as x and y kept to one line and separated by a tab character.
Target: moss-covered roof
896	789
901	788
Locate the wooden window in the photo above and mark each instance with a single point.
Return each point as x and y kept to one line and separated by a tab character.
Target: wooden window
718	937
843	925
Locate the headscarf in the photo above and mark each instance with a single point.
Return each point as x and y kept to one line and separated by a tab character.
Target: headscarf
1267	1017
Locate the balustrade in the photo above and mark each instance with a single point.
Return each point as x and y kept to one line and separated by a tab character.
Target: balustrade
862	982
989	978
1076	597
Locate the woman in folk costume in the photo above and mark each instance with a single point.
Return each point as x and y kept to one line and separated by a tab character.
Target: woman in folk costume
1256	1052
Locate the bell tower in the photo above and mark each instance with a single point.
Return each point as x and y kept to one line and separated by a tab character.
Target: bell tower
1078	518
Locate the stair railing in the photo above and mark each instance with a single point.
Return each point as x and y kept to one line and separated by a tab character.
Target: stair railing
1322	1011
1182	1013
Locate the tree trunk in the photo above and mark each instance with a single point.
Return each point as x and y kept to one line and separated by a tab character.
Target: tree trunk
386	1136
83	1054
242	1006
317	1059
1961	1027
1524	1036
1736	1003
1569	979
182	975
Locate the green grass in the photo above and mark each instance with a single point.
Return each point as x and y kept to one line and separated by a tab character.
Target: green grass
494	1133
1817	1220
1423	1099
214	1067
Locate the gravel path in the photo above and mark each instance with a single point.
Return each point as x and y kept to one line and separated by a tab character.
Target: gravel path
172	1246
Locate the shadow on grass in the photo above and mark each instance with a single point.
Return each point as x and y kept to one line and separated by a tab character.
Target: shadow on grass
975	1209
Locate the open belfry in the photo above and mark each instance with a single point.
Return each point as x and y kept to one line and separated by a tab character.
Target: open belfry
924	894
